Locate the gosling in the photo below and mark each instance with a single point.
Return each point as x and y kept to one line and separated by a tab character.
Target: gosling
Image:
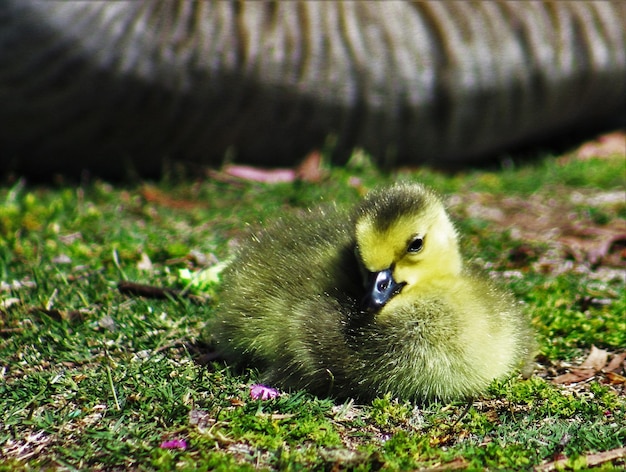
364	303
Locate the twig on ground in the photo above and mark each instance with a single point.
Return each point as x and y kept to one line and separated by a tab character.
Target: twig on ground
151	291
591	460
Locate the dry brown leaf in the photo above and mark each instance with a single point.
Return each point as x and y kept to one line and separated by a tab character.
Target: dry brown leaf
615	379
596	359
617	363
595	363
257	174
236	401
575	376
310	169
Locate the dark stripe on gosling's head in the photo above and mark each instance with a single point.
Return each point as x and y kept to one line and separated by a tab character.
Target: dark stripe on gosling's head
386	205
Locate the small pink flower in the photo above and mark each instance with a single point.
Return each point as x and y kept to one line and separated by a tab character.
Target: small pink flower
261	392
174	444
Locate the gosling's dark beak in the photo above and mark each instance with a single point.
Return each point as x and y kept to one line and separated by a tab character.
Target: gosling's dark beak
380	288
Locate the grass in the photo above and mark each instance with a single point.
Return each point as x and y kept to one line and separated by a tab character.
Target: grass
91	378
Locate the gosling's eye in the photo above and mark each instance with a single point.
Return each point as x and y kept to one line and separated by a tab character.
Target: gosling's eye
416	245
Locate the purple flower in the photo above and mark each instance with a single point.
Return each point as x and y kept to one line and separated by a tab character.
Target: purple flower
174	444
261	392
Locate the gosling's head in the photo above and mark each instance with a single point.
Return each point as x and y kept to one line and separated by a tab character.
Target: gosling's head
405	241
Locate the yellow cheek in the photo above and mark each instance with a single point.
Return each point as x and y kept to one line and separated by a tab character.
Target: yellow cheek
431	270
409	272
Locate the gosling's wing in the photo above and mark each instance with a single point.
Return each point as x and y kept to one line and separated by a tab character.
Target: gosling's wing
287	293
